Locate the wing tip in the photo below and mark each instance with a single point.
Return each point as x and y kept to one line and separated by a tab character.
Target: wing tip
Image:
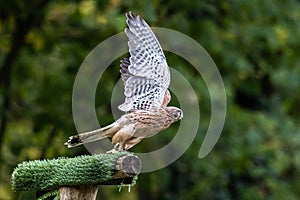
134	20
130	15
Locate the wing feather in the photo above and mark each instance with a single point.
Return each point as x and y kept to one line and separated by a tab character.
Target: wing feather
146	73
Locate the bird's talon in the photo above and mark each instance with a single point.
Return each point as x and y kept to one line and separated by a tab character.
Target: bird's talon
117	148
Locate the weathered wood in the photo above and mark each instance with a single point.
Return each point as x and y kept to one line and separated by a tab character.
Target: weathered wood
127	166
85	192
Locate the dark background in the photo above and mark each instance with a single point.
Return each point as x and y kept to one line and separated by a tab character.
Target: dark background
255	45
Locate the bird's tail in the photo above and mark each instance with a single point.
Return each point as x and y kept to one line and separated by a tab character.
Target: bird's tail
91	136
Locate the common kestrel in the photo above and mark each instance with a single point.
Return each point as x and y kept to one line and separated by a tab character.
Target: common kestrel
146	78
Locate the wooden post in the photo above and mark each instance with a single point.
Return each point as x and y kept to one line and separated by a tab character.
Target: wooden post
85	192
77	178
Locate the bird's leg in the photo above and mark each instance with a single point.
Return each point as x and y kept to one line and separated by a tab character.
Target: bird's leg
133	141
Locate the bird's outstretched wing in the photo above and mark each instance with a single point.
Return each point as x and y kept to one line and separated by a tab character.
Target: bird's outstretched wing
146	74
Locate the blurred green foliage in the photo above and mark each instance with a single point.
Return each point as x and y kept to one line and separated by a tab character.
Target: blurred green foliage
254	43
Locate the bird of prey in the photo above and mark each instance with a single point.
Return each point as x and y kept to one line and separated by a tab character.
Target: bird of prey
146	78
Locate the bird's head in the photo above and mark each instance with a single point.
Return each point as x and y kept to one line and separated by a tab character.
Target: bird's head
175	113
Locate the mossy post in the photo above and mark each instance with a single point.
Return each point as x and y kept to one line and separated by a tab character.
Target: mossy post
77	178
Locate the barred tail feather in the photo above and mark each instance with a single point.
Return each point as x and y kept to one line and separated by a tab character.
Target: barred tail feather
91	136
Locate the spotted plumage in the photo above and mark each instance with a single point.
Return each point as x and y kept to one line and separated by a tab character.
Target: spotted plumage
146	78
146	74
